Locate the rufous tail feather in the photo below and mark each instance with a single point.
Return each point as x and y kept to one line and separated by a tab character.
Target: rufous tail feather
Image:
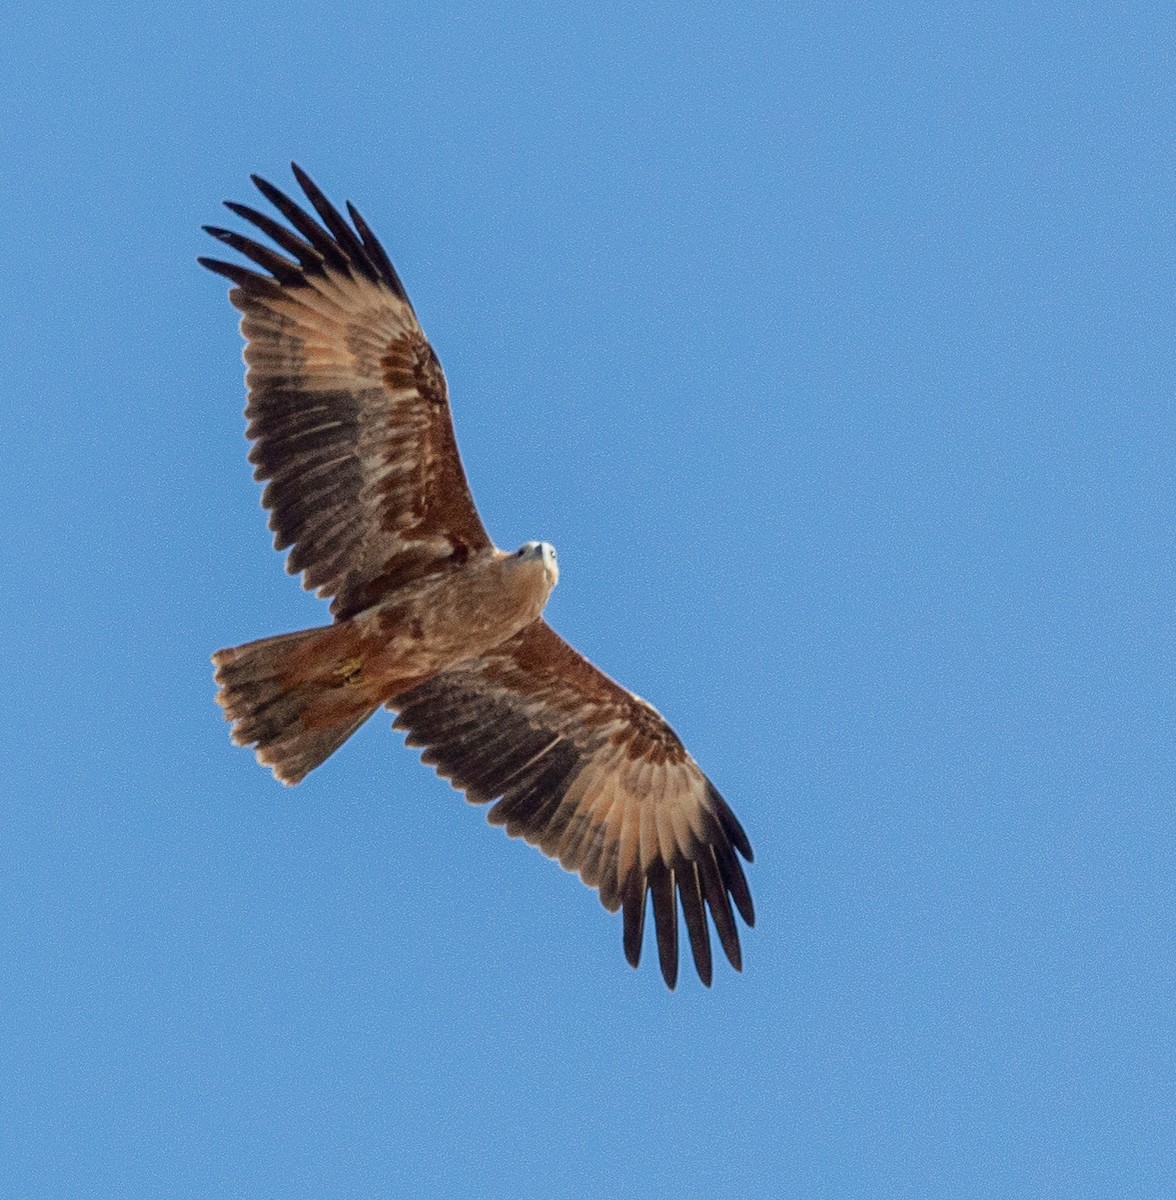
296	697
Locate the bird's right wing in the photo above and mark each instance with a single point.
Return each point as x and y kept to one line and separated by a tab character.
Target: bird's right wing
595	777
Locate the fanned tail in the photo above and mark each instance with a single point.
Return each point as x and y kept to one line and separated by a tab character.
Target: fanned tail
296	697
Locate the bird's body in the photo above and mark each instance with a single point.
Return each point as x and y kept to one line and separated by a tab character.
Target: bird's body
349	414
342	673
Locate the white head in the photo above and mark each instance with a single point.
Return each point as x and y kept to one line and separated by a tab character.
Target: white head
545	552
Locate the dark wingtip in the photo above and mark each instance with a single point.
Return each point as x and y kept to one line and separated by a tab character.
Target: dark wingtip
348	240
282	269
730	824
737	885
665	919
311	189
714	891
734	954
632	952
377	253
318	238
328	242
264	186
310	260
694	913
242	277
633	916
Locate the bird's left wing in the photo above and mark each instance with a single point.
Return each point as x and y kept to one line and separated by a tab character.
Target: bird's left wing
348	409
595	777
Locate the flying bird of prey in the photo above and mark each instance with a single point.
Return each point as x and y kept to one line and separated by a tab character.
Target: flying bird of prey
349	417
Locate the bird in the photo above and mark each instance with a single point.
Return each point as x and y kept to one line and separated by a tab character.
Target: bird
349	418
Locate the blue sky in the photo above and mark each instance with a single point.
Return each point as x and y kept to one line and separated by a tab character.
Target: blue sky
832	347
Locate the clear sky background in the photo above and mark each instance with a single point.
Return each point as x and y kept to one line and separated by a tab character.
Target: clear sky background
832	345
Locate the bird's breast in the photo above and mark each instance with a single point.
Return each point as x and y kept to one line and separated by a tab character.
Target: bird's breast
437	622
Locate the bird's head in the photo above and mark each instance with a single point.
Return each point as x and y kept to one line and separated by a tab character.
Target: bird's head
543	552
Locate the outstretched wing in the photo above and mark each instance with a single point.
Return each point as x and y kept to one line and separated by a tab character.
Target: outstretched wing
593	776
348	409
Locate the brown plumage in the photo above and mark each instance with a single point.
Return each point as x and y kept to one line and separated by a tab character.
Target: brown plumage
349	415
